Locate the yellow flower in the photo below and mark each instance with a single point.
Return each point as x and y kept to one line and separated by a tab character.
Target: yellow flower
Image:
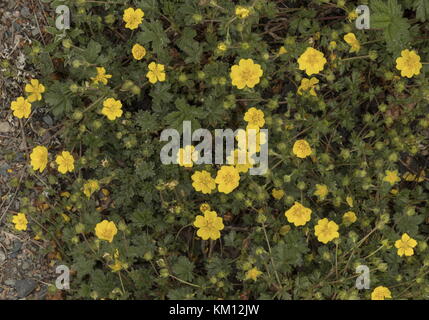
380	293
255	118
252	274
21	108
352	41
352	16
332	45
133	18
138	51
65	194
312	61
227	179
245	143
242	12
222	46
277	194
112	108
183	153
349	201
106	230
205	207
209	225
39	158
90	187
65	162
20	221
298	214
118	265
349	217
246	74
392	177
326	230
405	245
236	156
321	191
409	63
203	181
301	149
65	217
308	84
282	50
408	176
36	89
101	76
156	73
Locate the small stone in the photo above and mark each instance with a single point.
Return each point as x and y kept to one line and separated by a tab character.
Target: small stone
25	265
25	12
25	287
5	127
2	256
10	282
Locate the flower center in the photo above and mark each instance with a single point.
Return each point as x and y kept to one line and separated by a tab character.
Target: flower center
228	178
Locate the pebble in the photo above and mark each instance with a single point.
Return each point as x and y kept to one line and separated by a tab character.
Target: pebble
2	256
10	282
25	287
5	127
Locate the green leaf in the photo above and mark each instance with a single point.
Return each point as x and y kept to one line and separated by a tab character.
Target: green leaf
183	269
57	96
153	32
389	17
92	51
422	9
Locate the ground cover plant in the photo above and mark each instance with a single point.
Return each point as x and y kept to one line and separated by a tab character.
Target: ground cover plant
347	117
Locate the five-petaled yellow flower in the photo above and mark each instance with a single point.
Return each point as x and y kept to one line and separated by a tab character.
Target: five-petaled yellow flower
21	108
353	42
65	162
380	293
227	178
277	194
391	177
106	230
20	221
308	85
241	159
312	61
321	191
39	158
301	149
133	18
405	245
156	72
409	63
252	274
246	74
203	181
326	230
90	187
349	217
101	76
35	89
255	118
112	108
242	12
187	156
251	140
298	214
138	51
209	225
